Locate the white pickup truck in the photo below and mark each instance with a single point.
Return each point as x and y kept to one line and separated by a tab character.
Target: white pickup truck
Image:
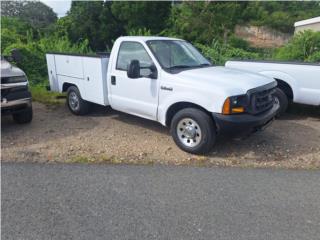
297	82
169	81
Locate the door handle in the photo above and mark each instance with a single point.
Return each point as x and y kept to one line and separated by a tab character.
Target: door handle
113	80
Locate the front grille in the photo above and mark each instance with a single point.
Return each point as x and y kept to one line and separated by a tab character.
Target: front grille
262	100
15	93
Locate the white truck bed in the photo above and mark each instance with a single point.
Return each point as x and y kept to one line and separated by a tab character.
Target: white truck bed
87	72
303	79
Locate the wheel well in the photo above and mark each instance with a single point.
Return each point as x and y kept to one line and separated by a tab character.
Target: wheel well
285	87
65	86
173	109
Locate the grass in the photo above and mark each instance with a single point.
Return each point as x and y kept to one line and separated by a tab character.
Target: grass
40	94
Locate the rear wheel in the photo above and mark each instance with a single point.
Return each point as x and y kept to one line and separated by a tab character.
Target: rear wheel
24	116
282	99
193	131
76	104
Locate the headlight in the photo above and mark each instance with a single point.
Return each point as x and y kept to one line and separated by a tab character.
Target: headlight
15	79
235	104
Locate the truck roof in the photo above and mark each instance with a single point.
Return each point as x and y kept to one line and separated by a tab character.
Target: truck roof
146	38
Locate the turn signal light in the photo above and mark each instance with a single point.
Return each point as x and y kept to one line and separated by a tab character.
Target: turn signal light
237	110
226	107
229	109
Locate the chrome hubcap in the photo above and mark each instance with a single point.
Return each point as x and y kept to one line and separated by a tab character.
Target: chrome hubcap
189	132
74	101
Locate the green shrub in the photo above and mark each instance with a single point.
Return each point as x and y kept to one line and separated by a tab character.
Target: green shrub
32	62
140	32
314	57
40	94
238	43
219	53
33	55
304	46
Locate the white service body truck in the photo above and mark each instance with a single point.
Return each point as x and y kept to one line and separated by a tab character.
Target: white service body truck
169	81
297	82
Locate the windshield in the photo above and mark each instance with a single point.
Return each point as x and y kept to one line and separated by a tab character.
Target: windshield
173	54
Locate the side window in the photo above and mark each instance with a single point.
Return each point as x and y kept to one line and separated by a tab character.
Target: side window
132	51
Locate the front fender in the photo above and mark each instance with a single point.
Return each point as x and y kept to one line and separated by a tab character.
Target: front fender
212	103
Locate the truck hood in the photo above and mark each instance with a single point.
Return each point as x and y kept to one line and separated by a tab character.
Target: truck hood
8	70
236	81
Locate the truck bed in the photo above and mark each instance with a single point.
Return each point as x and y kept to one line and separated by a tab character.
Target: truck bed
277	62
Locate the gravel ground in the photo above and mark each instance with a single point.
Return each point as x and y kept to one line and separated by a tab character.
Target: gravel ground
105	135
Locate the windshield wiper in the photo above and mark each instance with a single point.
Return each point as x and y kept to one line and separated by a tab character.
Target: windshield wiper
180	66
189	66
205	64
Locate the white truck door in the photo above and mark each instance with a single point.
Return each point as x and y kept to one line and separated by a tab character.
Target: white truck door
135	96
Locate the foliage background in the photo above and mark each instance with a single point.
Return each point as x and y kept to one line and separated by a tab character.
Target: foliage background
93	26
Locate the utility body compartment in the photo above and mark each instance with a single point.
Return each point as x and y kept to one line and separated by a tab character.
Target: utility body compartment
87	72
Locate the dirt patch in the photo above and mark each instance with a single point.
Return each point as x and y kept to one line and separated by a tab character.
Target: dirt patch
105	135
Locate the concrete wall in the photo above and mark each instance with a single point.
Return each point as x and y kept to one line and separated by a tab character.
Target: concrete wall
262	37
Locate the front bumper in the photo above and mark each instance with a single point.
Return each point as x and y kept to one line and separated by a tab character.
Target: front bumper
238	124
15	97
15	103
15	106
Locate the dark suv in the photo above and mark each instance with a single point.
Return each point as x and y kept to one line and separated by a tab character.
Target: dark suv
15	95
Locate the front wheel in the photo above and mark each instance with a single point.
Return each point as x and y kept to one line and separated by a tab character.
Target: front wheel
75	103
193	131
282	99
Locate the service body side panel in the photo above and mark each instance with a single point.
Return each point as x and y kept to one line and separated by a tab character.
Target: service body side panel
94	84
52	73
70	66
89	74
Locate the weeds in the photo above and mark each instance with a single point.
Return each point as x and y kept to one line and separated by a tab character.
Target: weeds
40	94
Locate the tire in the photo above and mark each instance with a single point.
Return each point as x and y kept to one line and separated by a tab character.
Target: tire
24	116
75	103
193	131
283	101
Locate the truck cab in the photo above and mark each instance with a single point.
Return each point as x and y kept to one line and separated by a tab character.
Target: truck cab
15	95
168	80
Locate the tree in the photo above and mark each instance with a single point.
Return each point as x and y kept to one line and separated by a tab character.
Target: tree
36	13
93	21
279	15
203	22
142	15
14	30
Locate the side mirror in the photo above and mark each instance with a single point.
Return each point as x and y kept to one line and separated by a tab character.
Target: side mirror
154	72
133	69
16	55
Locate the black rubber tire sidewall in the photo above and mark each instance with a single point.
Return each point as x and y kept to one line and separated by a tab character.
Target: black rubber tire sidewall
206	124
283	101
24	116
84	106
